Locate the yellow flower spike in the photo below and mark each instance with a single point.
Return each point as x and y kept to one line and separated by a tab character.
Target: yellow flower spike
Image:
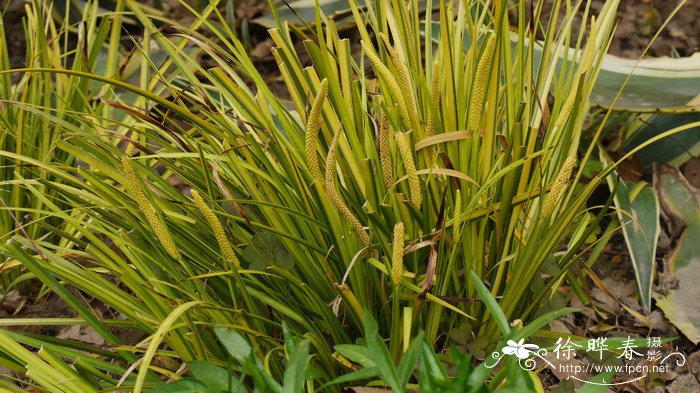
435	97
312	132
476	102
558	187
589	53
401	73
546	114
133	184
219	233
385	151
335	198
586	63
397	255
410	167
565	110
457	226
388	77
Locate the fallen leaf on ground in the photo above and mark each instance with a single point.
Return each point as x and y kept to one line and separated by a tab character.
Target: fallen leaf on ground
681	203
80	333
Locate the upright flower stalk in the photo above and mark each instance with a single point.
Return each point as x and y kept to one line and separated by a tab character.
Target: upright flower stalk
401	74
394	87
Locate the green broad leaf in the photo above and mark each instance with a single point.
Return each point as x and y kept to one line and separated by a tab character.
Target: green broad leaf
638	211
185	385
379	353
261	379
216	378
491	304
359	375
656	85
597	384
266	250
409	359
680	200
430	366
540	322
234	343
298	353
675	150
518	379
472	379
356	353
301	12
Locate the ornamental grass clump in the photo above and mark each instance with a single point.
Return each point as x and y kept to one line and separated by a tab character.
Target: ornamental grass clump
400	173
37	110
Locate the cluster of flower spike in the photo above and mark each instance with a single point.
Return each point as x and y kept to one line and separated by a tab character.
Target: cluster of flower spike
402	75
391	82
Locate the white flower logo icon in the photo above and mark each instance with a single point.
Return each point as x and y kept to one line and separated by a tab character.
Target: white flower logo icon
519	349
